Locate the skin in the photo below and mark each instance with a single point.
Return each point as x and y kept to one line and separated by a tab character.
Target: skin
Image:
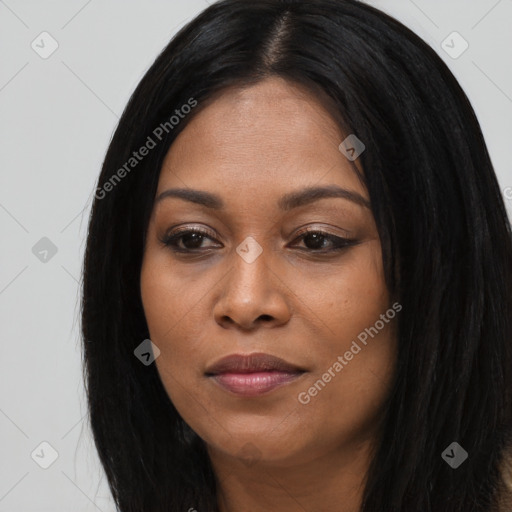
250	147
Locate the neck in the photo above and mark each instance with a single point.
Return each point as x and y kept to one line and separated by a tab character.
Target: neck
331	481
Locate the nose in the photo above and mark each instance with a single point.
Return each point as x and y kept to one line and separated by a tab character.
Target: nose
254	295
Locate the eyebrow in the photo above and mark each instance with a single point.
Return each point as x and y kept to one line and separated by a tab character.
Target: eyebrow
285	203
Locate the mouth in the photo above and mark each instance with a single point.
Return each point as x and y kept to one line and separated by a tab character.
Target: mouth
253	374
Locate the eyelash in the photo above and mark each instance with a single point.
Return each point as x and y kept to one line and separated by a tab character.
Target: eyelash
340	243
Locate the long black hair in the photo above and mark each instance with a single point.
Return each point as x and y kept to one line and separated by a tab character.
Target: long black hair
446	241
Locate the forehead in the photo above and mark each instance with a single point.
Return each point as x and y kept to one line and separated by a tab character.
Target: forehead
266	138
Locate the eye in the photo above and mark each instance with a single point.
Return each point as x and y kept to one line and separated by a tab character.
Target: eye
191	240
320	241
187	240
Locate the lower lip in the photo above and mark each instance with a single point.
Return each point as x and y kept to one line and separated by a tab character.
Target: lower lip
254	384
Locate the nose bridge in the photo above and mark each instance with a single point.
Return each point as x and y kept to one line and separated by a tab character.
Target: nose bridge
251	290
250	269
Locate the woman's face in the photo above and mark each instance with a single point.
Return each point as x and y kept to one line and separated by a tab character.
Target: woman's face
253	282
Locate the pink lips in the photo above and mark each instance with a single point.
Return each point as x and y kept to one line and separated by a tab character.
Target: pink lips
253	374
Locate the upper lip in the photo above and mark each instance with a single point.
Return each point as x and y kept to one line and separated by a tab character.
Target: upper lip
238	363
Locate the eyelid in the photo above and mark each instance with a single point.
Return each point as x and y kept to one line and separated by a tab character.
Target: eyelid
174	232
339	242
172	236
322	229
179	229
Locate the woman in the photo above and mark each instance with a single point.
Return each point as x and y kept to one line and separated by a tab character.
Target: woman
297	276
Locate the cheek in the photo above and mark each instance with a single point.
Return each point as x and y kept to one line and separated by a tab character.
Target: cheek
177	305
177	326
166	297
166	301
346	397
347	298
358	326
174	314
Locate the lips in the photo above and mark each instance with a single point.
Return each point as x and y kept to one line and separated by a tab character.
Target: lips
253	374
251	363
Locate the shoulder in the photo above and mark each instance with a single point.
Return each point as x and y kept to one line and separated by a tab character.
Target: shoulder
505	501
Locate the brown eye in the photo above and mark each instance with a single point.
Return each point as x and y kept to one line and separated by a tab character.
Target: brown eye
190	240
320	241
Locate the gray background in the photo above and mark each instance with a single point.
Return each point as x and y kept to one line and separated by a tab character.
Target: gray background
56	119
